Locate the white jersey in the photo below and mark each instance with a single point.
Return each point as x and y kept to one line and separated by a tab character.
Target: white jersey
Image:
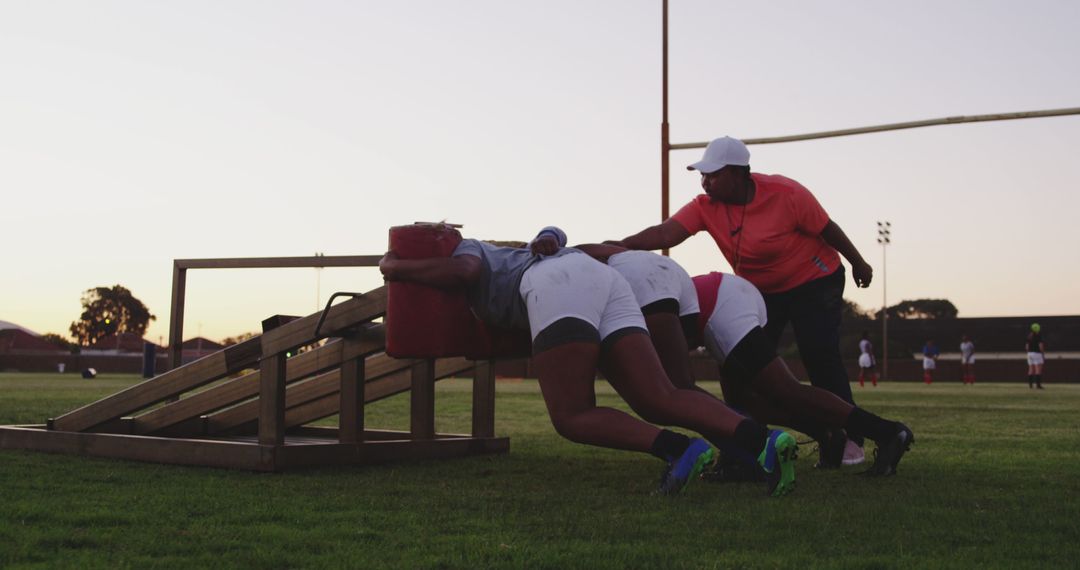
866	358
654	277
967	352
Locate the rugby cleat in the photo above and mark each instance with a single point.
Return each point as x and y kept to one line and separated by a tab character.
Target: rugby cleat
778	462
688	466
831	449
888	453
733	470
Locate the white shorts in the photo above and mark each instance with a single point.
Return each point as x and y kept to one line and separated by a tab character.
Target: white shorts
865	361
928	364
654	277
968	360
1036	359
739	308
596	294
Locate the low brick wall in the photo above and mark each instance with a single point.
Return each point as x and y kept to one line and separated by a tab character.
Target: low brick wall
910	370
75	363
705	368
900	370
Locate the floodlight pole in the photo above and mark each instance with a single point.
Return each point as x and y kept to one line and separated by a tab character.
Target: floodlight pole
318	283
884	230
665	140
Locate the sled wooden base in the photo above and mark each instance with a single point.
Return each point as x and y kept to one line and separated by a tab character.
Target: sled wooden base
305	447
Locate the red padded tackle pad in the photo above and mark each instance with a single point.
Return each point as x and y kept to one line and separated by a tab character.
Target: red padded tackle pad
426	322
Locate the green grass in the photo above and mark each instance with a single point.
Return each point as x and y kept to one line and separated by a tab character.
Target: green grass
991	482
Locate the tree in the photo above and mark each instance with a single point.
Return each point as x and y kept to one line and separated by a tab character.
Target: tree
60	342
853	312
108	311
922	309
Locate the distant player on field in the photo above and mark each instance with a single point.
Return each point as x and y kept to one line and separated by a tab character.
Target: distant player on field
1036	356
967	360
930	354
866	360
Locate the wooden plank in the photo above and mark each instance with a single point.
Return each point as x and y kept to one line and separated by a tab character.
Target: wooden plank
119	425
318	398
209	453
339	317
272	322
330	434
161	387
329	404
301	392
374	390
379	447
238	389
379	452
272	400
190	428
275	262
483	401
351	421
422	399
176	316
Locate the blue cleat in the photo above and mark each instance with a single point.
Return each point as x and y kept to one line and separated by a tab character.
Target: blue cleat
688	466
778	462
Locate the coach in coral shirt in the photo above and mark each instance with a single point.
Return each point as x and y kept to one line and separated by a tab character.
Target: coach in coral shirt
775	234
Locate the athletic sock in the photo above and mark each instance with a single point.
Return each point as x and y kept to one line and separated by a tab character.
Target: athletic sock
669	445
1038	380
751	436
864	423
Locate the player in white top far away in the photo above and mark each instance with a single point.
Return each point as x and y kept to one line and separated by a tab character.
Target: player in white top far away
967	360
867	363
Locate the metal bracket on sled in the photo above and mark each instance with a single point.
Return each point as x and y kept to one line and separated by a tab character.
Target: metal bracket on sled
329	302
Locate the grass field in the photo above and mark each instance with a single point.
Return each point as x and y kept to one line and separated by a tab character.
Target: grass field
991	482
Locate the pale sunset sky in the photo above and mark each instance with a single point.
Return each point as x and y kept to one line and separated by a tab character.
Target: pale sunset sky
133	133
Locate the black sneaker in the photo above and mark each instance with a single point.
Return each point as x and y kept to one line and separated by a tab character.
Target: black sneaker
831	449
888	453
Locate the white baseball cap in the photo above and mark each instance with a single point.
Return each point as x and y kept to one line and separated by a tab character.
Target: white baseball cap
720	153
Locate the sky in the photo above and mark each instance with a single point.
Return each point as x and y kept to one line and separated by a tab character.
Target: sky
134	133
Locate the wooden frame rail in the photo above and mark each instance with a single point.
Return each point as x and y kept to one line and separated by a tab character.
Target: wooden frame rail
179	283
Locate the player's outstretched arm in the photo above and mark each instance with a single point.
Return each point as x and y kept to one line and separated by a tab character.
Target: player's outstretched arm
668	233
600	251
442	272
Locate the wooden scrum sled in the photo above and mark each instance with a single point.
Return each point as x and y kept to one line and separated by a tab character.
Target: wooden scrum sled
256	402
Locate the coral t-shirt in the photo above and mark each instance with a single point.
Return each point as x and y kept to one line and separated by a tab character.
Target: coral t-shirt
776	244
